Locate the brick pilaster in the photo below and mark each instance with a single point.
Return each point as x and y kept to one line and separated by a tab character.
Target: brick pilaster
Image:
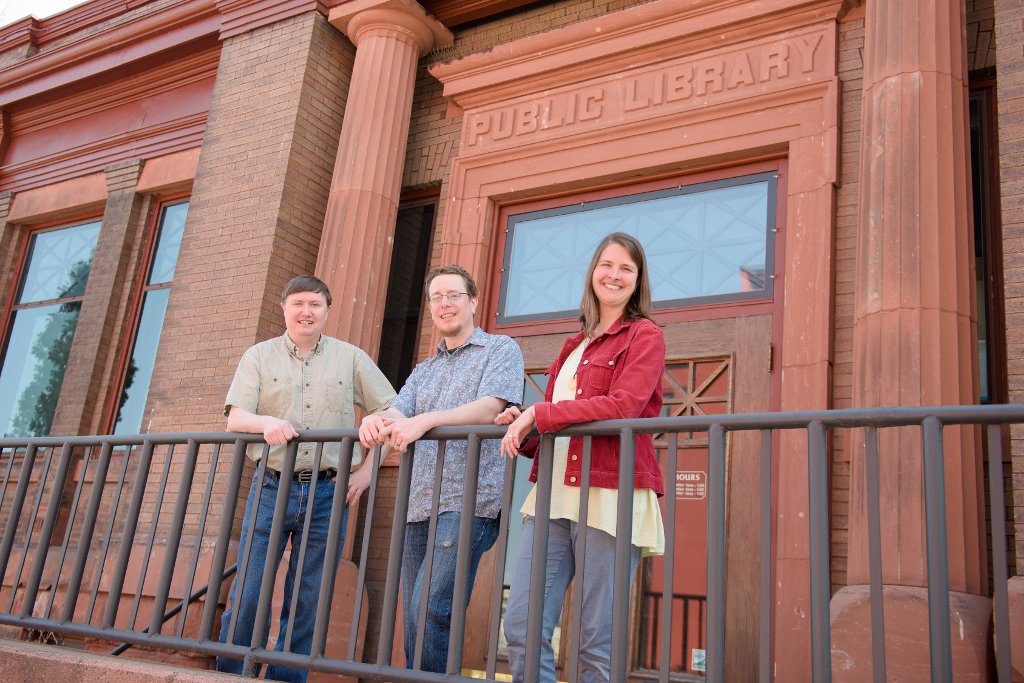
256	212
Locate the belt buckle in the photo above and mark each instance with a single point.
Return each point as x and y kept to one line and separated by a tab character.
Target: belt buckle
304	476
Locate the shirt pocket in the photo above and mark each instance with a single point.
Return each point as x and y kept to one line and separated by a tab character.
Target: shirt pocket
334	395
277	395
600	369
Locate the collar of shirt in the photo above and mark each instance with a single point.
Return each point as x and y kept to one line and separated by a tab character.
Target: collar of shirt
294	350
617	326
477	338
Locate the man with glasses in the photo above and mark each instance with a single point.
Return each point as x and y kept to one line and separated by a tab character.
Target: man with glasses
469	379
300	380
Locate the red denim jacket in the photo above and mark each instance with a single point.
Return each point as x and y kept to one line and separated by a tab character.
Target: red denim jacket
619	377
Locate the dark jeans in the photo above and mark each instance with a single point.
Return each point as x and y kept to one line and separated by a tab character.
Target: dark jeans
309	582
442	583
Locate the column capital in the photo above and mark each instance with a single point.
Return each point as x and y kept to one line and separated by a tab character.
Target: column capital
358	18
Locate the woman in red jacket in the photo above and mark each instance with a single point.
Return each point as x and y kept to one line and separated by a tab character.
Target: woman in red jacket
611	369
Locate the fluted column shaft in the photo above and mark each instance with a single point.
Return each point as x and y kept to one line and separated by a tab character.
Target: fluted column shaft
915	334
359	226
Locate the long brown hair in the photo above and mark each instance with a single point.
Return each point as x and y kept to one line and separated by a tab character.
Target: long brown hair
639	304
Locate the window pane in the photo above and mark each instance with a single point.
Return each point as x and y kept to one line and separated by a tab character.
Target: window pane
165	258
33	368
59	262
702	241
140	366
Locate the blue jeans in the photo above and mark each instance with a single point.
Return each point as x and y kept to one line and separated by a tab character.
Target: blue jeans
442	583
309	582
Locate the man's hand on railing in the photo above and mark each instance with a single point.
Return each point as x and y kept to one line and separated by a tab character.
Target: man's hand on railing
276	431
402	432
371	431
359	480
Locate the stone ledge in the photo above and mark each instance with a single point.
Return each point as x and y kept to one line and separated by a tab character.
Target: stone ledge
20	661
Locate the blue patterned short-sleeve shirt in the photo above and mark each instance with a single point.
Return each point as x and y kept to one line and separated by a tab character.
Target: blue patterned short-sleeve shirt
486	365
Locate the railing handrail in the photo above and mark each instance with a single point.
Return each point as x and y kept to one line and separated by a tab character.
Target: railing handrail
840	417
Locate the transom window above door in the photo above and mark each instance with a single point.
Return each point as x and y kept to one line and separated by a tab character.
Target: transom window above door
706	243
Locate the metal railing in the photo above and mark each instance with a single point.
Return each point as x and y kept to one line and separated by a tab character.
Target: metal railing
64	564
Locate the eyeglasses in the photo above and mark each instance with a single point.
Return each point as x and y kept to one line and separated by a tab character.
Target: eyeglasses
451	297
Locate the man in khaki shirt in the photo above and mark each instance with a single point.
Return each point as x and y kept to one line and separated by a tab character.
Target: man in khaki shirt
300	380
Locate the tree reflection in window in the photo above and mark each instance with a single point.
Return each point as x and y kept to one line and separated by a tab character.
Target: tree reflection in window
139	373
42	328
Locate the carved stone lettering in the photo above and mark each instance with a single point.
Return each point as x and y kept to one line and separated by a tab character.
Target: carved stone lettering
694	81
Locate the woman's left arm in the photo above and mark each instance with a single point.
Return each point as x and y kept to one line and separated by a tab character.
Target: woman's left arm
630	391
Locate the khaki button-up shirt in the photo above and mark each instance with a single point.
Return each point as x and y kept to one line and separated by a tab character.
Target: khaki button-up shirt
320	392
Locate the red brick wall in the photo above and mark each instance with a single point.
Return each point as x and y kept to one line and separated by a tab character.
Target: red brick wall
1009	33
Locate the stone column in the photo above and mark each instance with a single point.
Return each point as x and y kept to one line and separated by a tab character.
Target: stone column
914	338
355	248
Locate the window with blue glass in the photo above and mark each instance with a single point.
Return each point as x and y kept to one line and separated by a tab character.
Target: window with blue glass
139	372
42	327
706	243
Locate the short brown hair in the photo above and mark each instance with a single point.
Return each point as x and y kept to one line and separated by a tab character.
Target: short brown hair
452	269
639	304
306	283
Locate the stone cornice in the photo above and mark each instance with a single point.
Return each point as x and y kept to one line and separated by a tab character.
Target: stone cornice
240	16
455	12
540	61
180	23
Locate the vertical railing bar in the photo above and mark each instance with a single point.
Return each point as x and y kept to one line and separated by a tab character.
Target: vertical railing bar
668	587
538	568
68	530
163	587
715	651
242	562
101	564
31	525
14	515
386	636
128	535
938	569
148	554
765	502
873	489
428	559
204	510
261	625
85	538
817	481
1000	597
332	554
364	552
576	615
46	533
623	553
303	542
501	555
460	590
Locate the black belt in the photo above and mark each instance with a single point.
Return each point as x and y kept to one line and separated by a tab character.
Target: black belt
306	476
